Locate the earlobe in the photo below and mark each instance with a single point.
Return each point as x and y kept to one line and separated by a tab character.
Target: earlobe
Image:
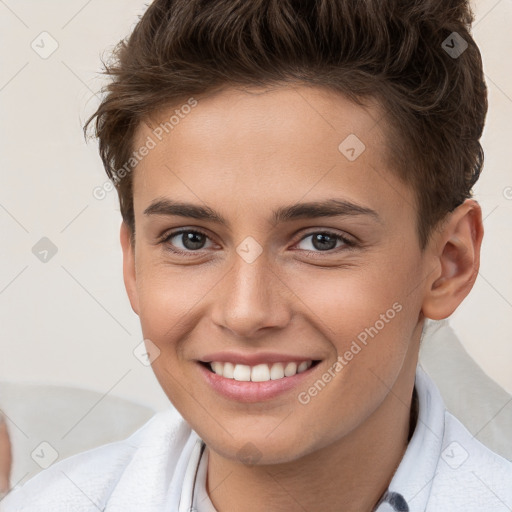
458	259
129	274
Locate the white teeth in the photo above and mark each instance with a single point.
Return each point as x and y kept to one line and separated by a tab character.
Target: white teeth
302	367
242	372
259	373
290	369
218	368
277	371
228	372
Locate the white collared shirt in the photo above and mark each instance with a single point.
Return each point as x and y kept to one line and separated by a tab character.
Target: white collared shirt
160	468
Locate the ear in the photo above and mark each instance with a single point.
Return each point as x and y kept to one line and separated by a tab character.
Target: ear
455	249
129	275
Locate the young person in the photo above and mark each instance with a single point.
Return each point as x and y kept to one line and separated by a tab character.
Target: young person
295	185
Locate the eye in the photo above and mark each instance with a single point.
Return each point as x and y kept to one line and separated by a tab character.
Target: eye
190	240
324	241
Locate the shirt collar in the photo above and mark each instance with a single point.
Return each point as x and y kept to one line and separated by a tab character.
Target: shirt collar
410	486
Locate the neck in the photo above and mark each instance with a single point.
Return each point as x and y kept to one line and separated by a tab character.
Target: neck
349	475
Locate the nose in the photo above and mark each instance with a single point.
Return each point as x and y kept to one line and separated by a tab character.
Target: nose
251	299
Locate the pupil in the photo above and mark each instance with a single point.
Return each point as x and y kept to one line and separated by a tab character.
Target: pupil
190	240
321	239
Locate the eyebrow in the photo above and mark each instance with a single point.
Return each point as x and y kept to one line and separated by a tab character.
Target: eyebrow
315	209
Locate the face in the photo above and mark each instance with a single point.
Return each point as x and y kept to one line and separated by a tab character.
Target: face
270	247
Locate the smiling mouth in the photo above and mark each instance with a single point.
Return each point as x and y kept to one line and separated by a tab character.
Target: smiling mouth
258	373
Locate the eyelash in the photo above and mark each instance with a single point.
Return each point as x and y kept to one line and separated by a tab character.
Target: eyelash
164	239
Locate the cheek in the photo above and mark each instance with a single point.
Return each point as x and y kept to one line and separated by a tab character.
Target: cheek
369	322
169	304
168	294
165	303
367	314
346	301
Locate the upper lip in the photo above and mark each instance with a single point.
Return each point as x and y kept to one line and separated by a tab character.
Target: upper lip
255	358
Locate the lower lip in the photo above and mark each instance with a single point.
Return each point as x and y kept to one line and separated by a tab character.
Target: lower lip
250	392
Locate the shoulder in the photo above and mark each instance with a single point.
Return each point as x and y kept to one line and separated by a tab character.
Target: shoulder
86	481
445	467
469	474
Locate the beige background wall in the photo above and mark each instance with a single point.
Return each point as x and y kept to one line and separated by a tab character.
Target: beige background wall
68	321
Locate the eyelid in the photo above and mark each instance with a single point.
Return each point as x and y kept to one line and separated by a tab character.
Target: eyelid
348	244
166	236
169	233
348	241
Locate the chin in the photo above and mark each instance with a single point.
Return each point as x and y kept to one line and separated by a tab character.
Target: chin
261	448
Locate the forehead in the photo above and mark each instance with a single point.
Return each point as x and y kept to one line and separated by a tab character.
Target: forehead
282	115
274	142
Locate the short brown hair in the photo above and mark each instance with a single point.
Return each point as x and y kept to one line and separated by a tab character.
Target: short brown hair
415	57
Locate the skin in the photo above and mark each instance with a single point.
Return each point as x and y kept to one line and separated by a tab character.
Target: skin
244	153
5	457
